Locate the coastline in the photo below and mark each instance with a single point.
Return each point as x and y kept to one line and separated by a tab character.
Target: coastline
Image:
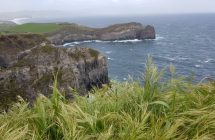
19	21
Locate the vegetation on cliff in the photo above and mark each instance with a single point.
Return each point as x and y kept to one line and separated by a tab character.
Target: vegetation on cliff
13	43
158	110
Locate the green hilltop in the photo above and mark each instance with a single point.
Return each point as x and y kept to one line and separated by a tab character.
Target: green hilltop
40	27
35	28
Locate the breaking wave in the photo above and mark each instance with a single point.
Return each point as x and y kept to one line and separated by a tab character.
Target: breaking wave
158	37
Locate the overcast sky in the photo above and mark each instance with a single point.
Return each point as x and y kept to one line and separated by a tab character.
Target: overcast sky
111	7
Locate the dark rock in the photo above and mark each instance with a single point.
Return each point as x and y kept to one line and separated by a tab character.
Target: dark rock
148	33
3	64
31	71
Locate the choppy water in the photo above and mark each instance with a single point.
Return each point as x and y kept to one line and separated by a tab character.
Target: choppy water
186	41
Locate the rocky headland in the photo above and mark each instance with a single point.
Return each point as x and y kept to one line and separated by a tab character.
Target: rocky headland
28	63
74	32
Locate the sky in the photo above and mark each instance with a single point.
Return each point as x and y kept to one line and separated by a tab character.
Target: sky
110	7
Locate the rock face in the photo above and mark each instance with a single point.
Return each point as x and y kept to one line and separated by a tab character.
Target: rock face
29	69
148	33
73	32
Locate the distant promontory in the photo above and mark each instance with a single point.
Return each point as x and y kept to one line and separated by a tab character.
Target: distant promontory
61	33
75	32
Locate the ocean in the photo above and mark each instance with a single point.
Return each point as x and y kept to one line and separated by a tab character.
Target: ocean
185	41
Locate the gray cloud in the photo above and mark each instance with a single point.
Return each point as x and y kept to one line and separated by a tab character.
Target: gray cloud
110	7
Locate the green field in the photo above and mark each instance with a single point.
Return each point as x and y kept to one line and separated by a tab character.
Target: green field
35	28
5	27
170	110
43	28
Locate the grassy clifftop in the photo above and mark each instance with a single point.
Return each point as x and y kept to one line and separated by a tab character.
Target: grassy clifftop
29	28
174	109
42	28
35	28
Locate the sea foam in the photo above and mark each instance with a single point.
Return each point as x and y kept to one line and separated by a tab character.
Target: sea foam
19	21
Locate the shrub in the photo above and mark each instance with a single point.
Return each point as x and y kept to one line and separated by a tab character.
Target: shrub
93	53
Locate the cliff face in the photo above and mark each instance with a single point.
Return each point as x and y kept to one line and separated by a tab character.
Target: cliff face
29	70
72	32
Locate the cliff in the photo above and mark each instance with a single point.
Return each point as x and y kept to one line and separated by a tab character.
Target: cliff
28	63
74	32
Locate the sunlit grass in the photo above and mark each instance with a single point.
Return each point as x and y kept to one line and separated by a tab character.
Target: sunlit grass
174	109
34	28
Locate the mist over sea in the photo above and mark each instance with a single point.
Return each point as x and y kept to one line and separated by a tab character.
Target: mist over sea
186	41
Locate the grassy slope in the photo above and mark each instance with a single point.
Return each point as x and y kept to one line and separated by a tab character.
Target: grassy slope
43	28
174	109
35	28
5	27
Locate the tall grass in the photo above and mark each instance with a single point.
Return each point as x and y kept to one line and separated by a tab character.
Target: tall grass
157	110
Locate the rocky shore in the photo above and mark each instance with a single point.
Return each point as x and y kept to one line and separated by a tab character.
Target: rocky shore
74	32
